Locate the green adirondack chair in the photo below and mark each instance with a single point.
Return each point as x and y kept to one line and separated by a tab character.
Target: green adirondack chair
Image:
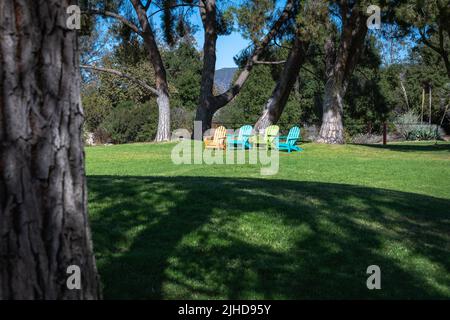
288	142
270	135
268	139
241	139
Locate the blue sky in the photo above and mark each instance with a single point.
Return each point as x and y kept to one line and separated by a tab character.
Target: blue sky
227	46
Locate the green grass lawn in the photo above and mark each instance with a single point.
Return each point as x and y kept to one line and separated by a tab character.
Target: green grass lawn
165	231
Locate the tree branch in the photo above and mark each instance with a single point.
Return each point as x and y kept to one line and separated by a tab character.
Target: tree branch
440	50
319	79
228	95
147	6
118	17
281	46
143	84
428	43
270	62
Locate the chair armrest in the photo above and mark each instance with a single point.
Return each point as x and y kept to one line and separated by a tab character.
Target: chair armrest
293	141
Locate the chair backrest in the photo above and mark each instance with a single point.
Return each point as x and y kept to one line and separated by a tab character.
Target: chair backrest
293	135
271	133
219	134
245	132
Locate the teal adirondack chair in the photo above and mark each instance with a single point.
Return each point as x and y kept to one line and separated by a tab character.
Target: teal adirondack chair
241	139
288	142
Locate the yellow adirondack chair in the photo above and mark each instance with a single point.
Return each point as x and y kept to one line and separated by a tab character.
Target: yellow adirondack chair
268	138
218	140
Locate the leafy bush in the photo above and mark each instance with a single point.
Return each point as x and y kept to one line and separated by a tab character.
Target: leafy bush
101	136
131	123
181	118
425	132
96	107
407	124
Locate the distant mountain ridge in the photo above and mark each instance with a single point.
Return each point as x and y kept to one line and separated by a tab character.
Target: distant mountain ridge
223	78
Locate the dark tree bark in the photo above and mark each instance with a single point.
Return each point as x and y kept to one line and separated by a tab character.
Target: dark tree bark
340	64
44	225
207	107
209	103
280	95
163	100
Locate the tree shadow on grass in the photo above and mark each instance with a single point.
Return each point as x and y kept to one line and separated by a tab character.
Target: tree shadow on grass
411	147
213	238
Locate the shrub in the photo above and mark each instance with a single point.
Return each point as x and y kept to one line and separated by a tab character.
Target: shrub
181	118
131	123
425	132
96	108
101	136
409	128
404	123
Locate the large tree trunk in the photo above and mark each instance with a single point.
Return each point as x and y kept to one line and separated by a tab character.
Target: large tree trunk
208	103
276	103
206	107
163	132
340	65
163	100
205	115
332	129
44	225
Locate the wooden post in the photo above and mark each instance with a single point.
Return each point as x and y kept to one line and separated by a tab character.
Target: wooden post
384	133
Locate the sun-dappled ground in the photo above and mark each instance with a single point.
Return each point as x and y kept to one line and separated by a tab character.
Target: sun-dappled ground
165	231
